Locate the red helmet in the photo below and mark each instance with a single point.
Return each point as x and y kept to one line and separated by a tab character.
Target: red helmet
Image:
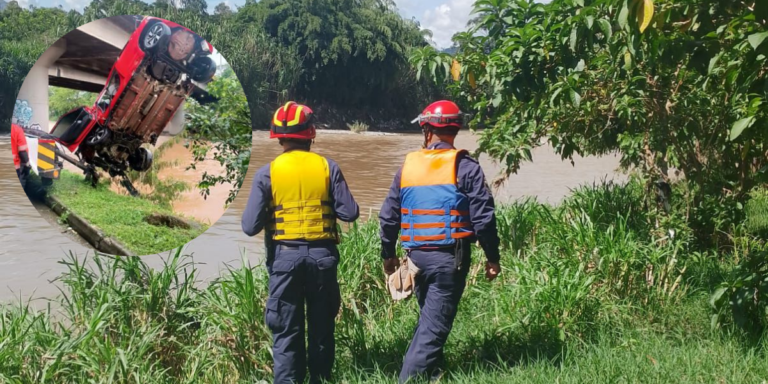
441	114
293	121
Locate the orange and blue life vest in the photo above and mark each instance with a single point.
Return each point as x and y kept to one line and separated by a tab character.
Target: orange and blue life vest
434	212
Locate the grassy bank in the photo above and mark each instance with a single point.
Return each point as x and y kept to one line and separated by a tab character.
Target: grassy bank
120	216
593	290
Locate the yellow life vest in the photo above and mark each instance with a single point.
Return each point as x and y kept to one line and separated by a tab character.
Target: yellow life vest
301	202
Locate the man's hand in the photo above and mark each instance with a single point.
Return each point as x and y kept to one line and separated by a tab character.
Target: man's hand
492	270
391	265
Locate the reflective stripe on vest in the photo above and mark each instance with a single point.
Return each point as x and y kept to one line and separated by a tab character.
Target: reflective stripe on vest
434	212
301	203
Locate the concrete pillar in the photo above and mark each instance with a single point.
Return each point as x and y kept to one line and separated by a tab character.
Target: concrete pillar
176	125
31	109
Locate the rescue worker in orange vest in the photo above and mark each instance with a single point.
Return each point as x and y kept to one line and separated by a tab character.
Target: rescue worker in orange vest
298	198
439	204
20	154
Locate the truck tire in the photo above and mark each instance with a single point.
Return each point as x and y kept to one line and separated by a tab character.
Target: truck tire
140	160
154	36
98	136
203	69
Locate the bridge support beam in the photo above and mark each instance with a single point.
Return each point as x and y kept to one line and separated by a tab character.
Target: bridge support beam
31	109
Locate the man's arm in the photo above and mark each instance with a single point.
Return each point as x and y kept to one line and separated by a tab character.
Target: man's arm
20	141
344	203
389	219
255	213
24	156
481	206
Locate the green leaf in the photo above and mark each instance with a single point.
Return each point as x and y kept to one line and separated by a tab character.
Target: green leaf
580	66
574	38
756	39
713	63
715	298
575	98
714	320
590	21
740	126
496	100
554	96
605	27
624	15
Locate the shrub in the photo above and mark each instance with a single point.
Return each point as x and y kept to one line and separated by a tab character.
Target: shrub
358	127
756	211
743	297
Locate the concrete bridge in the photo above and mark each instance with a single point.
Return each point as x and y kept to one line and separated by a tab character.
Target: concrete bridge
80	60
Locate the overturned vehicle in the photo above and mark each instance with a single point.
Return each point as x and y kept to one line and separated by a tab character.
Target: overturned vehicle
157	70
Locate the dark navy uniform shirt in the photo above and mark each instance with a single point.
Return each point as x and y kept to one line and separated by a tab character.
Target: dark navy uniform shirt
471	182
257	215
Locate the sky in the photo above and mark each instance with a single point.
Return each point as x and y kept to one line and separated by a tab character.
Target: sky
442	17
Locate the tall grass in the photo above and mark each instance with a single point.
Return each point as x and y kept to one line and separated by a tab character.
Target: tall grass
591	291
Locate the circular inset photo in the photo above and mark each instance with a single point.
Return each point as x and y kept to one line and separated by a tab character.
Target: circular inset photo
132	134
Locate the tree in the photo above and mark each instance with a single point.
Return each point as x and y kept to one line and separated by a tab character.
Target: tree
197	6
668	84
222	129
222	9
62	100
352	52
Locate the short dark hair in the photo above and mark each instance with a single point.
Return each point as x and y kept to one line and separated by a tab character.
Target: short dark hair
301	143
450	131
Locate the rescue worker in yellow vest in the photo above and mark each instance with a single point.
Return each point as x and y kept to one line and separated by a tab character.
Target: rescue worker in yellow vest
297	198
439	204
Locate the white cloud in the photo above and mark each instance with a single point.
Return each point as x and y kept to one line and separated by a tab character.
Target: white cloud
407	8
446	19
26	3
76	4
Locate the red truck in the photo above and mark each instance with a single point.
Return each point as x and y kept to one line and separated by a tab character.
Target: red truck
154	74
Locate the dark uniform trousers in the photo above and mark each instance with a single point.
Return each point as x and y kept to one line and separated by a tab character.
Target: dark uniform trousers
439	287
298	274
23	174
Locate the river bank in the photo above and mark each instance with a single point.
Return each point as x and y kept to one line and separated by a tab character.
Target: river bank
126	219
591	291
368	162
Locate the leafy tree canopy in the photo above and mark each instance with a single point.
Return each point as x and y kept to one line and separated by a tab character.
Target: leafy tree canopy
666	83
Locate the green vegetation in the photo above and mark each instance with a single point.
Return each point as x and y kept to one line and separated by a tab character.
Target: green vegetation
222	131
592	291
121	216
341	54
757	212
671	85
164	192
63	100
358	127
24	36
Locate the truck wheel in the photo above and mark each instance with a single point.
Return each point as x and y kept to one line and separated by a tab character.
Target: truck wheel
140	160
203	69
99	135
155	34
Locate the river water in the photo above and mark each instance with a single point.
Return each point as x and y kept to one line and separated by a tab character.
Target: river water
32	245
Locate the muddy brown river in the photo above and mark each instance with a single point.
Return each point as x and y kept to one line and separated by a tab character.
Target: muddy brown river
31	246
